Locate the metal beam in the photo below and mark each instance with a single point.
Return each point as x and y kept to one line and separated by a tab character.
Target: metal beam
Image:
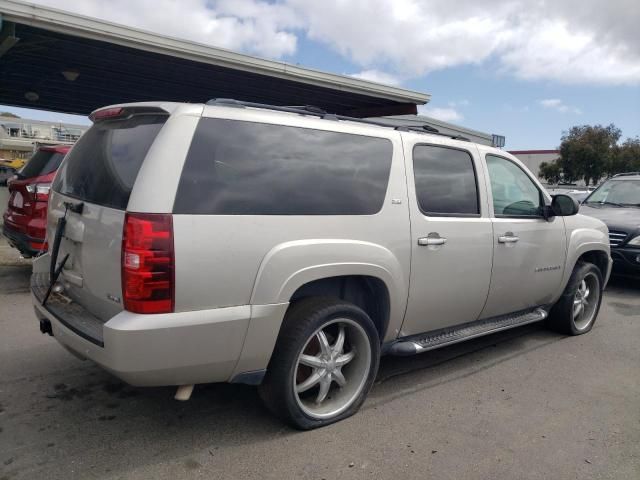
77	25
7	36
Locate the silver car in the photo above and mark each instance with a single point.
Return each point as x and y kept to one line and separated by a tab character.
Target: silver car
290	249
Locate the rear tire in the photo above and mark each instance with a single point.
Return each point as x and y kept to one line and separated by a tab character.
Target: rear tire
576	311
324	363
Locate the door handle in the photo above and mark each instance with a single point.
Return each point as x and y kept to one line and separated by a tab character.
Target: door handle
425	241
508	238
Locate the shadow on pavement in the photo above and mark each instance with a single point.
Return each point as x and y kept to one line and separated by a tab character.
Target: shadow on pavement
14	278
623	284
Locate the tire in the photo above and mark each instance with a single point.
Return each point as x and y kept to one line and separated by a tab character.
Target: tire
569	317
294	384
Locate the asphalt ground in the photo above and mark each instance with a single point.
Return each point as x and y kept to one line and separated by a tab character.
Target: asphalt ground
526	403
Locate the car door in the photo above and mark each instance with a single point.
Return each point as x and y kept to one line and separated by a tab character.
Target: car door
528	250
451	237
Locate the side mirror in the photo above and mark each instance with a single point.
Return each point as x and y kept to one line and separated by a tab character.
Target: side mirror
564	205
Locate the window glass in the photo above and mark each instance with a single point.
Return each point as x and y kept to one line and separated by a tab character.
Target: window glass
103	165
43	162
245	168
445	181
514	193
622	192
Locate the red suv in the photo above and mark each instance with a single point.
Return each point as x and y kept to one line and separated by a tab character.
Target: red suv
26	216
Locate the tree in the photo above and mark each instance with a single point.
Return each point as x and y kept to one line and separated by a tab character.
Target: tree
588	152
626	157
8	114
550	171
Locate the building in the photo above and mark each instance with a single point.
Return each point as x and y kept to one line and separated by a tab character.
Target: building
20	137
533	158
442	127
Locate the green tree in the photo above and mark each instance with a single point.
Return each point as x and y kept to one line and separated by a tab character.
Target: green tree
626	157
8	114
551	172
587	152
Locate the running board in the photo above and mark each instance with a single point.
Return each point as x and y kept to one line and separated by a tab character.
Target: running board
448	336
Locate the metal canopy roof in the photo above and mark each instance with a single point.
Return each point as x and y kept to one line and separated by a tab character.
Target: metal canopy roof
117	64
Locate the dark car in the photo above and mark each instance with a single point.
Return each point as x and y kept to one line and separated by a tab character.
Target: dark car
617	203
5	174
26	216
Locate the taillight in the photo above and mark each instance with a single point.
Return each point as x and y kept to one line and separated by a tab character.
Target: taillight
105	113
40	191
148	263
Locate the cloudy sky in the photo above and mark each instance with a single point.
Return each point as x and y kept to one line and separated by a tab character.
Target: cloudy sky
522	68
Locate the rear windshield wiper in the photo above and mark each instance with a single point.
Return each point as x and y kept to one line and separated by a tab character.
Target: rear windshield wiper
55	270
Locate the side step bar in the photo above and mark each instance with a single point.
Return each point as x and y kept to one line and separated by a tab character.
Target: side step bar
448	336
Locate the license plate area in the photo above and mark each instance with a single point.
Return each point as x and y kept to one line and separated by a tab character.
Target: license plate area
17	200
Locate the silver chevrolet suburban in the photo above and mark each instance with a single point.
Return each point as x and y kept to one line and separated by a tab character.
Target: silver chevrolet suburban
289	248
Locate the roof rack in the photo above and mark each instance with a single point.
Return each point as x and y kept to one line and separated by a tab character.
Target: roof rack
626	174
318	112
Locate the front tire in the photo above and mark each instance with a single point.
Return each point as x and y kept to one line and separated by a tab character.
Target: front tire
577	310
324	364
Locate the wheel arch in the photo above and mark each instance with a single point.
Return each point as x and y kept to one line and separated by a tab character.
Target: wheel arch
289	270
367	292
592	252
599	258
367	274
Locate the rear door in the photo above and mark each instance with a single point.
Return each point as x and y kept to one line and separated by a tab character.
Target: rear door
451	237
99	173
529	251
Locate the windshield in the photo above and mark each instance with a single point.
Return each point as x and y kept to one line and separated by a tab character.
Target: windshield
617	192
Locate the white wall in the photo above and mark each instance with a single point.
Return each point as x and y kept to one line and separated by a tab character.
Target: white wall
533	159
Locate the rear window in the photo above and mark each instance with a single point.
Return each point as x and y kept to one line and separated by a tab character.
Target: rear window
244	168
103	165
42	163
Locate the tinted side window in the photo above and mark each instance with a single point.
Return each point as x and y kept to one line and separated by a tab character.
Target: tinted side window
103	165
445	181
514	193
244	168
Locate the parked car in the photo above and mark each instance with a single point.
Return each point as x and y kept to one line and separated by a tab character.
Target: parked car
15	164
579	194
284	247
617	203
6	172
25	218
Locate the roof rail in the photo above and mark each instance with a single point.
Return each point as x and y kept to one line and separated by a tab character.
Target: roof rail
318	112
626	174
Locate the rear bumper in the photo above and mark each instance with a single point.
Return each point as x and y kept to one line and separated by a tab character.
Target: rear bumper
24	243
217	345
626	260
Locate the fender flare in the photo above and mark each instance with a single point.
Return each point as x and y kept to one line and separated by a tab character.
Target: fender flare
585	240
290	265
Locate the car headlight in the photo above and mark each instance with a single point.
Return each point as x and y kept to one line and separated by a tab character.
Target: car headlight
634	242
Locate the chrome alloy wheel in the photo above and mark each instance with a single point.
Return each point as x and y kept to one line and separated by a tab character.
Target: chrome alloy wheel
585	301
332	368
